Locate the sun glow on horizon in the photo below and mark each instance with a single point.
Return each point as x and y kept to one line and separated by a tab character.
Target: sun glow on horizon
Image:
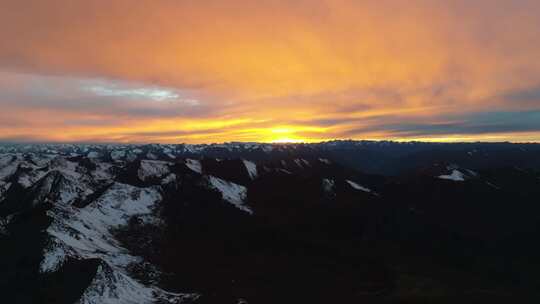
286	140
289	134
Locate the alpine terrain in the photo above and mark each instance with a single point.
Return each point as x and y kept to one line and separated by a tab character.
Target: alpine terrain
238	223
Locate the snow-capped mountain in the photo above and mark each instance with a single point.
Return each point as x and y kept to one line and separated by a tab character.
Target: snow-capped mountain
259	223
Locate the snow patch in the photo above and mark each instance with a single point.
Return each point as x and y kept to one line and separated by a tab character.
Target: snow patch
471	173
56	188
194	165
4	222
231	192
169	179
456	176
53	257
9	165
152	169
6	160
110	286
325	161
102	172
357	186
267	148
493	186
92	154
27	179
328	185
284	171
118	154
251	169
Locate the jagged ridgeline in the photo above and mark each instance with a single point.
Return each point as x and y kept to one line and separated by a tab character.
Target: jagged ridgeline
335	222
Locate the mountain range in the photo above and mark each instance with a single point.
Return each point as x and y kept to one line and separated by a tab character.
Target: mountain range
237	223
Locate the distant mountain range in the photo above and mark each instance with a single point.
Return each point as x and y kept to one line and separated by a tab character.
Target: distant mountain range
333	222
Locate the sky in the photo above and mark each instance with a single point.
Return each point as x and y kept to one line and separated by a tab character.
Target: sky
182	71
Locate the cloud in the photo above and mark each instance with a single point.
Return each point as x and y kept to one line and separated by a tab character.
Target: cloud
138	93
26	92
464	124
528	97
114	69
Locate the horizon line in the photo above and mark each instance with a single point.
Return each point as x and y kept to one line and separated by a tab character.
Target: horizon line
105	143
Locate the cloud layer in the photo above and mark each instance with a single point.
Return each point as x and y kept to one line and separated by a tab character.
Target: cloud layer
199	71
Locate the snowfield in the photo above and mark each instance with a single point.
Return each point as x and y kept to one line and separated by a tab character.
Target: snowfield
86	233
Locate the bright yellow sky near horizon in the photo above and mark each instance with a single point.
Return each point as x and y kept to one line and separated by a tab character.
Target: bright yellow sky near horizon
271	71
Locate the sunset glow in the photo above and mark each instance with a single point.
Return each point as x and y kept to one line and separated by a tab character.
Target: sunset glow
270	71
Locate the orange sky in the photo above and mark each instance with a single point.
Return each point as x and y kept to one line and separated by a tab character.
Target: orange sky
235	70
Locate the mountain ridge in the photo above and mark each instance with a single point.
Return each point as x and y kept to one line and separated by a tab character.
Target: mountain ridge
249	224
